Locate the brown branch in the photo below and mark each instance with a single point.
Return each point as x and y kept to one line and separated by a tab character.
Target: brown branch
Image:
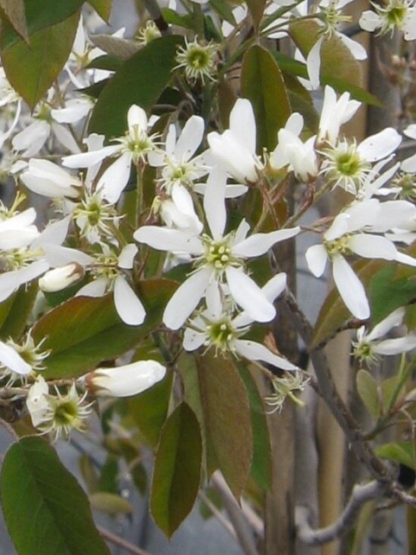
359	496
116	540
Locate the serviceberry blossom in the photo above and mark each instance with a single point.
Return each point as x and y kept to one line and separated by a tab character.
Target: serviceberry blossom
219	328
369	346
133	148
235	150
217	257
127	380
356	231
395	14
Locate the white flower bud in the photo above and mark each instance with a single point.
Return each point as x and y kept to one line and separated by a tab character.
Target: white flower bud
37	402
125	380
60	278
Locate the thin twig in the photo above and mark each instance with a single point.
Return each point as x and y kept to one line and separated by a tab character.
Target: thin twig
242	529
217	514
116	540
359	496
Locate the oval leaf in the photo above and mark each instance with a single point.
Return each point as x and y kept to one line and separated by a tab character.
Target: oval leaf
368	391
227	419
140	80
177	470
110	503
45	509
32	69
262	83
84	331
39	15
14	12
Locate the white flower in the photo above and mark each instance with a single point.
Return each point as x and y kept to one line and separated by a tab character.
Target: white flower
409	165
61	278
218	258
198	60
33	137
330	11
48	179
108	270
290	151
12	363
335	112
397	14
216	327
369	345
348	165
354	231
131	149
125	381
36	401
235	149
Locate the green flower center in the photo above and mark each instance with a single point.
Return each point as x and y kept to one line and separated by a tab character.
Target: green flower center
339	246
221	334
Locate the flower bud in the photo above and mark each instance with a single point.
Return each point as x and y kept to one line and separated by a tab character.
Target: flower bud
60	278
125	380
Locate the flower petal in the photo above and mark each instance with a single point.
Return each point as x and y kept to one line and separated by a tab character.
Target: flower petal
316	257
260	243
395	346
186	299
248	295
382	328
372	246
350	288
243	124
190	139
379	146
13	361
256	351
115	178
172	240
214	202
128	306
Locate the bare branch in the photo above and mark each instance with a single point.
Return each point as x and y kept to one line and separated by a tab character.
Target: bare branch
121	542
359	496
238	519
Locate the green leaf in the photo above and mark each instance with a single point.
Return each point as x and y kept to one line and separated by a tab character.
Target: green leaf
368	391
401	453
14	12
174	18
177	472
336	58
20	308
256	9
85	331
290	66
149	409
262	83
261	465
32	69
40	14
110	503
45	509
140	80
102	7
227	419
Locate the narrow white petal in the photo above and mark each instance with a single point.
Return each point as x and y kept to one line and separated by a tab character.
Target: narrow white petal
183	200
410	24
136	116
213	300
190	139
13	361
248	295
260	243
379	146
395	346
350	288
356	49
192	339
128	306
87	159
241	233
394	213
370	21
113	181
186	299
409	165
243	124
214	202
372	246
171	240
316	257
126	258
96	288
313	63
256	351
65	137
382	328
338	228
54	233
128	380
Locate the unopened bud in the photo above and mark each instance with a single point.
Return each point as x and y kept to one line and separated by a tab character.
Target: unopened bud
125	380
61	278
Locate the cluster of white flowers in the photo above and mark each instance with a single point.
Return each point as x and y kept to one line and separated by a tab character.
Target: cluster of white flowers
199	174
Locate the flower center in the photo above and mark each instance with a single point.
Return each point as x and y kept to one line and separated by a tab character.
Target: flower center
345	167
198	60
339	246
332	18
218	254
